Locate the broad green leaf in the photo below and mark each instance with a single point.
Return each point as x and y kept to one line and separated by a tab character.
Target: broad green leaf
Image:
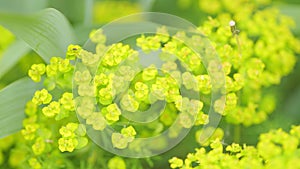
47	32
12	102
11	55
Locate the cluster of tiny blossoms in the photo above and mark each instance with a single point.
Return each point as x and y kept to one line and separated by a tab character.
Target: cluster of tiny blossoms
256	58
260	58
51	126
51	121
276	149
51	114
113	79
120	84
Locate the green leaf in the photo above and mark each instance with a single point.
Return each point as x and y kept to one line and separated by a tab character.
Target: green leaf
12	102
293	11
77	11
11	55
47	32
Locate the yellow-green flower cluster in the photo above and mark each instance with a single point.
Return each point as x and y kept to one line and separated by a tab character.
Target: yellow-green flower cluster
230	103
34	163
58	109
251	60
188	58
88	58
29	131
176	162
73	137
114	79
121	84
40	138
41	97
276	149
47	108
129	103
149	43
97	121
36	71
85	106
186	105
116	163
73	52
37	129
52	109
121	140
111	113
165	88
67	101
58	72
57	66
153	43
116	54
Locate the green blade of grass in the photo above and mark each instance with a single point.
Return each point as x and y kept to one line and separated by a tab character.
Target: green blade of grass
12	102
47	32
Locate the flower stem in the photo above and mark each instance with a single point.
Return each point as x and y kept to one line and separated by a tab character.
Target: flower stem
237	133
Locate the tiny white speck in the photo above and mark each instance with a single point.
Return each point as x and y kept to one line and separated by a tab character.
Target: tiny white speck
232	23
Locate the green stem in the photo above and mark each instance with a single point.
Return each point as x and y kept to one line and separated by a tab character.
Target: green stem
237	133
238	44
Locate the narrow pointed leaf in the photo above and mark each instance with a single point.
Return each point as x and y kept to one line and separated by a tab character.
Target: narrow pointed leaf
47	32
12	102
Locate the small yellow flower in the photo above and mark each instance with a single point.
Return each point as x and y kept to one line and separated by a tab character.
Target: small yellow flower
67	144
176	162
39	146
36	71
29	131
34	163
113	112
116	163
41	97
52	109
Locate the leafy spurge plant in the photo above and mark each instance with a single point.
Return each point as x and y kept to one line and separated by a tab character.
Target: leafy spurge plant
275	149
112	78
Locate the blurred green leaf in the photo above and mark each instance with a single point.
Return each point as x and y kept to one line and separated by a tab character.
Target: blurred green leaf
12	102
22	6
292	10
47	32
146	4
11	55
82	32
77	11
